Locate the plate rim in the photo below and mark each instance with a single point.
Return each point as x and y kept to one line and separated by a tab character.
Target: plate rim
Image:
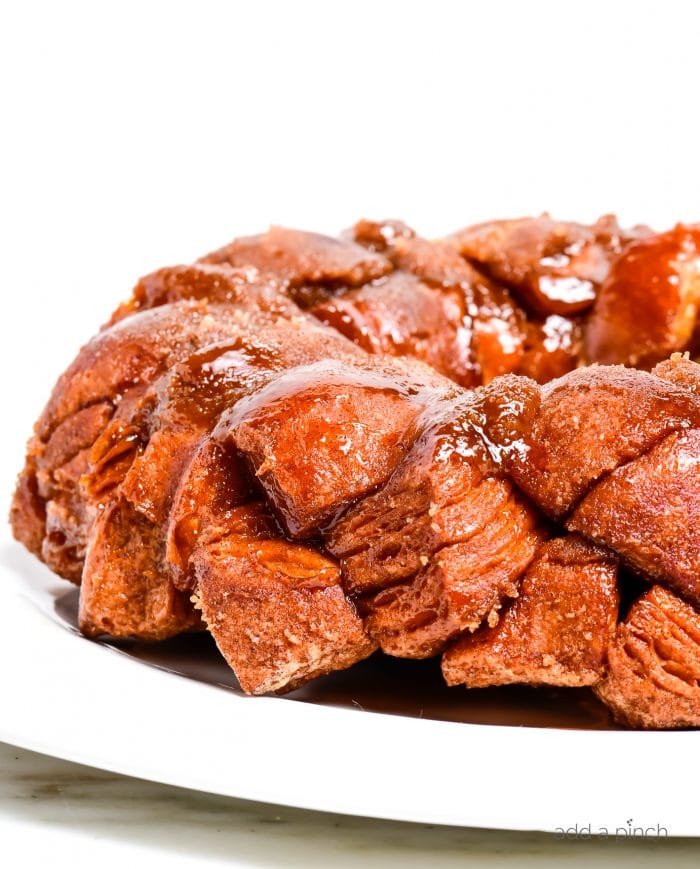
324	758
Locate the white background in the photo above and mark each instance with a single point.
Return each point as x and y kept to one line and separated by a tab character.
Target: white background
137	134
140	134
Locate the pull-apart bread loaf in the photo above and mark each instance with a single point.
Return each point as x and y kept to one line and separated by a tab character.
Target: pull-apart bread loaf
318	447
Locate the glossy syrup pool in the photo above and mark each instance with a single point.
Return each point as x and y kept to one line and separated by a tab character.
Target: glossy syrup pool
379	684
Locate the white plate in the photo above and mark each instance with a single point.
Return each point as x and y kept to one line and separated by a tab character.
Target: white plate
79	700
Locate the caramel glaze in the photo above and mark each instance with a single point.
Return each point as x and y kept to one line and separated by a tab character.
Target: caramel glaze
648	306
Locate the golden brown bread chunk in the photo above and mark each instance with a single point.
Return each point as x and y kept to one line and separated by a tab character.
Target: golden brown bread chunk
556	632
141	458
379	235
399	315
428	504
124	592
276	609
323	443
247	289
312	266
445	490
681	371
499	335
615	453
654	664
136	351
460	587
190	400
136	464
437	548
648	306
28	513
437	262
589	422
551	347
496	323
321	436
115	366
198	397
648	511
554	267
211	487
59	466
491	336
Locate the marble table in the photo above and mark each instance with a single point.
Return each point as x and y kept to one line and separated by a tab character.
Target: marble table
63	814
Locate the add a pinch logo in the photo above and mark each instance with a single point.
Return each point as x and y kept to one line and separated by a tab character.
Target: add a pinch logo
628	831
